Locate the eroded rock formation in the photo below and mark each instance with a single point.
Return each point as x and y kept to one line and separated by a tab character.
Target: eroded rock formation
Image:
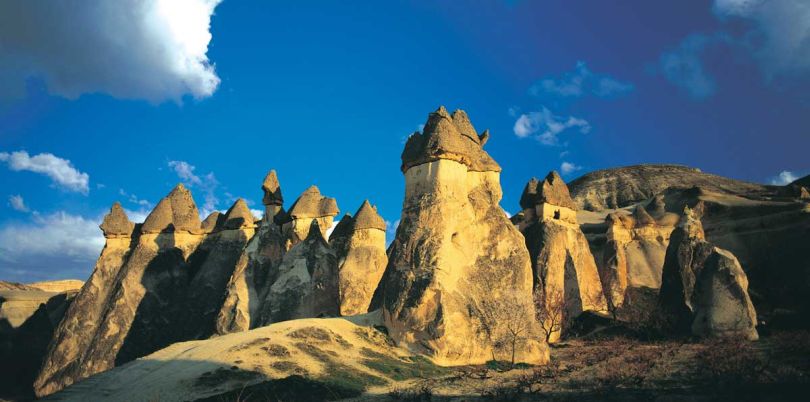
458	276
359	242
704	290
306	284
154	284
309	206
564	268
633	256
256	268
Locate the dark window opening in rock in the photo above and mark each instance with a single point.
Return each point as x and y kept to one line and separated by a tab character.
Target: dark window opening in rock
557	214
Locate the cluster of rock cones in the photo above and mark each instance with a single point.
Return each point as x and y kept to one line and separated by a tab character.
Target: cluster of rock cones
458	280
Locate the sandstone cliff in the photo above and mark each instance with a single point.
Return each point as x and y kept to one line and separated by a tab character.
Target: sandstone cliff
359	242
458	278
565	273
703	289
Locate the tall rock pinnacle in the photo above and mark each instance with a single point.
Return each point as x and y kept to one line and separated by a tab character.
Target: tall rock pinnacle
272	200
458	277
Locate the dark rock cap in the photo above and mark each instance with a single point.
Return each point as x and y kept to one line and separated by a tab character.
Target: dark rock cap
213	221
448	137
116	222
311	204
368	218
272	190
238	216
551	190
177	211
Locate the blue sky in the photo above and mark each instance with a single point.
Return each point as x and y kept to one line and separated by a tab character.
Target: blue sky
146	96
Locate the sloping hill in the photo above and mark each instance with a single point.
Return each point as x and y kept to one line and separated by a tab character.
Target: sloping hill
624	186
299	360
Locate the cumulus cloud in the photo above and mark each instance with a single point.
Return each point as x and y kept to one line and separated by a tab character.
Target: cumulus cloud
783	178
546	127
130	49
580	82
568	168
779	35
60	171
49	246
683	66
17	203
207	183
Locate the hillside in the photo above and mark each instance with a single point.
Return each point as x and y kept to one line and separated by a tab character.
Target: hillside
624	186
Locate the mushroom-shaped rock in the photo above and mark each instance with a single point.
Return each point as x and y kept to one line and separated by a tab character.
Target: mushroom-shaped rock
554	191
116	223
446	137
368	218
311	204
457	262
176	212
272	190
238	216
360	246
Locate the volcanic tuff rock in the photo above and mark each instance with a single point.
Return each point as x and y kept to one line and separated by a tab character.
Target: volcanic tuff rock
564	268
625	186
257	267
458	275
310	205
633	256
359	242
162	285
116	223
306	284
704	290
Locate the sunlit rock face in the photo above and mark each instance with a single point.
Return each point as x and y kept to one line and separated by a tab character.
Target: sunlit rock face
161	283
457	263
257	266
564	269
359	242
704	290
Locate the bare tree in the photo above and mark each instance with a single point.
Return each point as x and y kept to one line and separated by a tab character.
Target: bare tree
505	322
550	312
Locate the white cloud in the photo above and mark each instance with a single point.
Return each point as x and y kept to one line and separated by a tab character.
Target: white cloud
568	167
257	213
59	170
207	183
391	231
683	66
331	228
130	49
784	178
580	82
49	246
546	126
17	203
779	36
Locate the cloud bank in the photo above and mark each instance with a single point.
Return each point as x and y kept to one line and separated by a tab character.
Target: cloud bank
784	177
60	171
58	245
130	49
